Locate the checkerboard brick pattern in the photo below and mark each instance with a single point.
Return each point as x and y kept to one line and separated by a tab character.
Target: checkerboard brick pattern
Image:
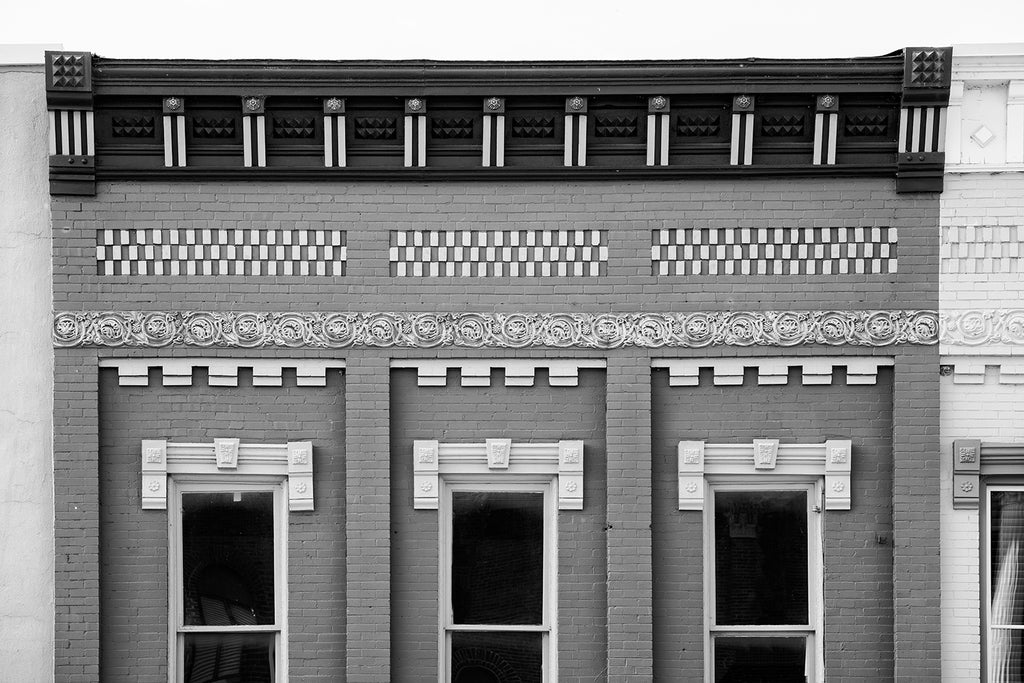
773	251
982	249
498	253
204	251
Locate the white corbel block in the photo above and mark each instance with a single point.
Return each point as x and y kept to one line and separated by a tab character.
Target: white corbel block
766	453
498	452
691	475
425	475
300	475
570	475
226	452
838	463
154	474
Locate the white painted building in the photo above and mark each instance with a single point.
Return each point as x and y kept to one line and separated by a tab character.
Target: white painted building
26	378
982	390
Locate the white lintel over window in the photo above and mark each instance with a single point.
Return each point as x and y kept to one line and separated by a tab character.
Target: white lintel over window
762	458
562	460
229	458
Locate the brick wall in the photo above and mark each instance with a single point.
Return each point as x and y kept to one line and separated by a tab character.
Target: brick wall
858	569
471	414
133	542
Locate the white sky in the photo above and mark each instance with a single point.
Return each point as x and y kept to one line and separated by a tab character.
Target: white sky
509	29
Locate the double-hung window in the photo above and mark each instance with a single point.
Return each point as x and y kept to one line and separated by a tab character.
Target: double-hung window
498	579
763	581
228	580
1004	582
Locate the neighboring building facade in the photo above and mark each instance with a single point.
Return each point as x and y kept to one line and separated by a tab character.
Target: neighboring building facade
26	352
497	372
982	425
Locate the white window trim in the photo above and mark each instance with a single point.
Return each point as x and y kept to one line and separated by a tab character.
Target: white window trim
220	484
231	459
525	483
814	631
986	573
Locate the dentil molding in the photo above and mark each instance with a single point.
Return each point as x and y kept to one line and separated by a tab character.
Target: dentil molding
158	329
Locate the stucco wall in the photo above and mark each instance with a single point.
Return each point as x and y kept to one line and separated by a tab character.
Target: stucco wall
26	482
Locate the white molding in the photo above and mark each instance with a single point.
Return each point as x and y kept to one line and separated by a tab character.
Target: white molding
228	459
561	460
830	460
685	372
223	372
971	369
518	372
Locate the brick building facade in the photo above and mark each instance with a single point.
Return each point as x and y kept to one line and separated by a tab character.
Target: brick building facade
476	372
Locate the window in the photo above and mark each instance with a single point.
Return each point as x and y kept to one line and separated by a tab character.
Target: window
228	580
498	580
763	581
1004	560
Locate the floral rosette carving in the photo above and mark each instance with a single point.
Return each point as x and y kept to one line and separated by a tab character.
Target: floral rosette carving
1012	331
922	328
975	327
881	328
743	329
338	329
788	328
247	330
517	330
113	329
383	329
158	329
698	329
562	330
428	330
291	329
834	328
608	331
200	329
69	329
652	331
470	330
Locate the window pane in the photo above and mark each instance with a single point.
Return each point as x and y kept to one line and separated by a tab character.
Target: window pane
496	657
229	658
761	557
1007	648
228	558
497	557
746	660
1007	515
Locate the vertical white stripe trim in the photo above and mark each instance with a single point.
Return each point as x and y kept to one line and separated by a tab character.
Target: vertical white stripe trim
181	140
734	151
929	129
651	139
664	139
168	141
833	125
76	121
328	141
486	161
422	146
261	140
499	147
915	132
568	139
408	141
90	147
581	159
53	132
818	138
941	147
247	140
65	137
748	147
342	148
904	114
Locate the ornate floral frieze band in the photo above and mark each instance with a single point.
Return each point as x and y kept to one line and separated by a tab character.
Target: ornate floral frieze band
158	329
977	327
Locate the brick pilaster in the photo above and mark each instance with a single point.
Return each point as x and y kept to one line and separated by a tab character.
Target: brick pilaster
630	613
367	519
